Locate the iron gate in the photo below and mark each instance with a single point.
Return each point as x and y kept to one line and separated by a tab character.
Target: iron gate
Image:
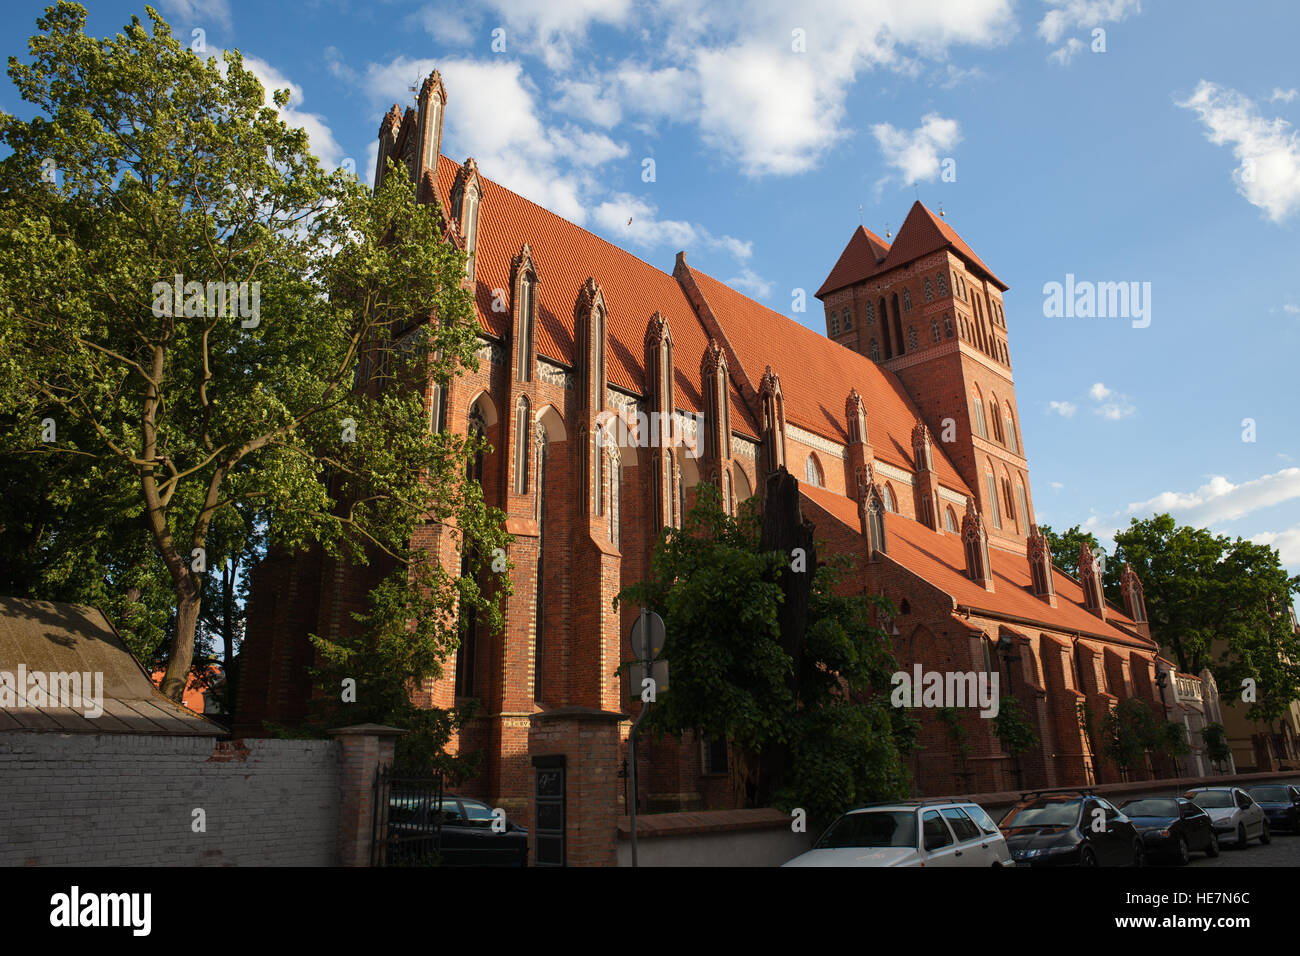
408	818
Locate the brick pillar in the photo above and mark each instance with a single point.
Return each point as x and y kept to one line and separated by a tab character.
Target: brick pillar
362	750
588	740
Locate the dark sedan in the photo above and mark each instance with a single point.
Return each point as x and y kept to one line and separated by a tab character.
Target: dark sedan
1280	803
1071	828
1173	827
457	831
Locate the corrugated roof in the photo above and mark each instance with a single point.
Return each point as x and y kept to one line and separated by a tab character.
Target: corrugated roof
565	255
71	638
816	376
940	559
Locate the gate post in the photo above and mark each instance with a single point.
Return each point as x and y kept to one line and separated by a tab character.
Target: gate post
574	750
363	748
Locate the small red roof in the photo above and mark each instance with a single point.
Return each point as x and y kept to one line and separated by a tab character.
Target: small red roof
860	259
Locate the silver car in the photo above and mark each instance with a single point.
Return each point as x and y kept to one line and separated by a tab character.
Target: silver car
1236	817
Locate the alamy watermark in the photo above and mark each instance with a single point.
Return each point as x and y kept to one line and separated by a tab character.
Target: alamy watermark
652	430
75	690
1083	299
211	300
946	689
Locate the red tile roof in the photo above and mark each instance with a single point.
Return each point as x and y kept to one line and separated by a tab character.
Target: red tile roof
816	375
860	259
565	255
941	560
922	233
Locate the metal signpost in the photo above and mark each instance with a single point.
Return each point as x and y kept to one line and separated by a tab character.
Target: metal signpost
647	640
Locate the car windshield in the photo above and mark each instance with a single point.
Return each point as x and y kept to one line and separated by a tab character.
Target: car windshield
1270	794
1152	808
871	828
1212	799
1044	813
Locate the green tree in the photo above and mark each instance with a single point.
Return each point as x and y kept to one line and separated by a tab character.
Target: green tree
1218	603
1065	546
143	163
835	738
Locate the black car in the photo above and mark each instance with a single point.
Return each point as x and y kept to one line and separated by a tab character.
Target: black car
1070	828
467	836
1173	826
1281	804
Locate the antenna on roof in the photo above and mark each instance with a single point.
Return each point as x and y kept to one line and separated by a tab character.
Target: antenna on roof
888	234
942	214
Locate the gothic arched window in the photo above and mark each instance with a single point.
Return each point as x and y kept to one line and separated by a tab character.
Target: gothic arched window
523	434
887	496
949	520
812	471
598	471
927	289
835	323
524	347
874	350
848	319
942	281
911	338
934	330
947	326
997	421
871	313
1012	442
907	300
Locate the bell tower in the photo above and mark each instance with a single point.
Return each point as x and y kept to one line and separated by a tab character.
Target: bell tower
928	310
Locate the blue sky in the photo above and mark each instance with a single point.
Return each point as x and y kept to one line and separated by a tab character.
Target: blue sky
1170	158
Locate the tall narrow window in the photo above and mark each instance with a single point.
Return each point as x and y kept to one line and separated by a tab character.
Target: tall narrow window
947	326
471	231
934	330
1007	499
1012	442
980	428
942	281
848	319
835	323
927	288
598	471
522	436
524	347
1024	502
598	360
615	483
812	472
997	421
994	511
949	520
431	132
907	300
887	496
874	350
871	314
539	607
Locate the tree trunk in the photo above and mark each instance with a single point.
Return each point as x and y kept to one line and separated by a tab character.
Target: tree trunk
181	655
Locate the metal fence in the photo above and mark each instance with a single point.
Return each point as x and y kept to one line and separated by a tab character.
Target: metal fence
408	819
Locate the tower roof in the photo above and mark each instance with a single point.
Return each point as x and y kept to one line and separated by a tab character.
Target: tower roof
922	233
860	259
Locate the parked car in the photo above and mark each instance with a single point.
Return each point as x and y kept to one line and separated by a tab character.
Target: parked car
1280	803
1071	828
467	837
911	833
1172	826
1237	818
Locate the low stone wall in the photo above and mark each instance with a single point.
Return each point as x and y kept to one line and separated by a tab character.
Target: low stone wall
121	800
712	838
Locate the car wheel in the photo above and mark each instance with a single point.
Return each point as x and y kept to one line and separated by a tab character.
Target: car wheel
1139	855
1241	836
1184	851
1087	857
1213	849
1264	837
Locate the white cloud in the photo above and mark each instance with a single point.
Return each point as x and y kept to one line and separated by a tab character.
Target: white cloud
1064	409
1268	151
1284	96
752	283
552	30
1221	500
1286	542
1116	408
1056	485
1067	15
319	135
917	154
589	100
1292	309
197	13
585	148
631	219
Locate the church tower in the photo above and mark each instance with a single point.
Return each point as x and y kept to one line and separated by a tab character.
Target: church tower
929	310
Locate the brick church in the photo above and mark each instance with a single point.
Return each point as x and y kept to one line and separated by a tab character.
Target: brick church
901	423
